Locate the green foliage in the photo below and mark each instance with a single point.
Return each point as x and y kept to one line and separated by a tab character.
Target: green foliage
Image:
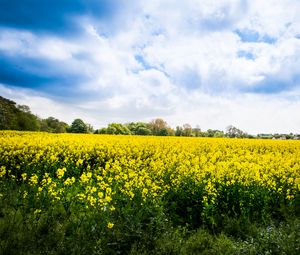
233	132
78	126
139	128
14	117
179	131
269	239
102	131
53	125
159	127
19	117
117	129
218	134
187	130
141	227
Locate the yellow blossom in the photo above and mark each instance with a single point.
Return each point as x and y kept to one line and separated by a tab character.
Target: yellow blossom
110	225
33	179
60	172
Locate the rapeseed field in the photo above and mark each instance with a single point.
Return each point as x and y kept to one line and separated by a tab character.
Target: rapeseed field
105	193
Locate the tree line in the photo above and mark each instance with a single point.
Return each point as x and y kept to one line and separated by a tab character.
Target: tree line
160	127
19	117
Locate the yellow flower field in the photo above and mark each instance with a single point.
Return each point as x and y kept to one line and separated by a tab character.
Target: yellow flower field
192	180
149	166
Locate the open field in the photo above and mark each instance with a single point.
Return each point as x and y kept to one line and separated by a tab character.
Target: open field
97	194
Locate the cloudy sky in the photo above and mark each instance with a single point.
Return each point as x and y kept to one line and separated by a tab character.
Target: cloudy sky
211	63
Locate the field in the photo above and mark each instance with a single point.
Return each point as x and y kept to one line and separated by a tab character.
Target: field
100	194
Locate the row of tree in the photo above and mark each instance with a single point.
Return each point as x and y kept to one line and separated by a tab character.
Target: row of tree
159	127
16	117
19	117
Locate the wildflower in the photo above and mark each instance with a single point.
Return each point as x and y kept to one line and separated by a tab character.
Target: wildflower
100	194
69	181
60	172
2	171
79	162
110	225
85	177
144	192
81	196
33	179
24	176
108	199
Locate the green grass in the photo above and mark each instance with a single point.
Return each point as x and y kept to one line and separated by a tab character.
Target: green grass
71	229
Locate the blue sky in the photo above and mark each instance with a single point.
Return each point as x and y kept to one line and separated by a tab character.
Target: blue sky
208	63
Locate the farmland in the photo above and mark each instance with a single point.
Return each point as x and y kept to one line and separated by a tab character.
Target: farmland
101	194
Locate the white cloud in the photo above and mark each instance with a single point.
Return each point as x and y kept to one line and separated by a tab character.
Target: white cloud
176	60
274	17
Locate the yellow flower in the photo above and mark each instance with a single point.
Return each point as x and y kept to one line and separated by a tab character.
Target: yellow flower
79	162
93	190
60	172
69	181
2	171
91	200
85	177
110	225
33	179
144	192
100	194
108	191
81	196
24	176
108	199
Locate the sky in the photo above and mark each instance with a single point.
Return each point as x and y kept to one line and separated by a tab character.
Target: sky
209	63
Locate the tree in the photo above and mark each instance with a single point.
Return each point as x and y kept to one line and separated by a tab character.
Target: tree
53	125
27	121
138	128
232	132
141	130
218	134
179	131
8	114
78	126
187	130
159	127
171	131
16	117
89	128
111	130
197	131
102	131
117	129
24	108
163	132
